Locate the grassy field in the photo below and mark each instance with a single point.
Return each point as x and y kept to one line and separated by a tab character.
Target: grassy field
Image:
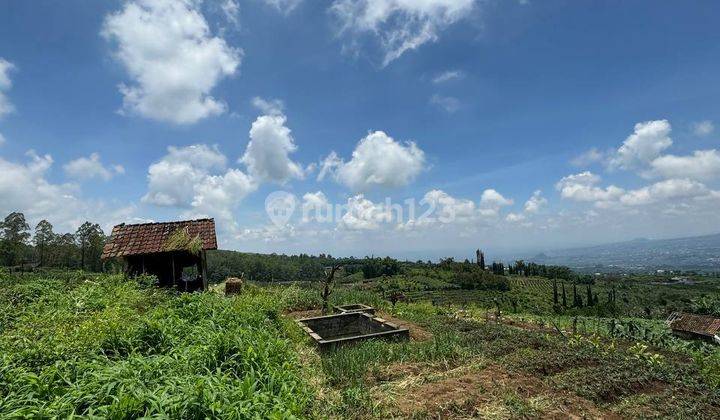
101	346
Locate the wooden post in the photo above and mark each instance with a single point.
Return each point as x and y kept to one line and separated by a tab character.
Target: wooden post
204	269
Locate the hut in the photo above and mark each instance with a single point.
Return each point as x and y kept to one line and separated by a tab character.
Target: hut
175	252
702	327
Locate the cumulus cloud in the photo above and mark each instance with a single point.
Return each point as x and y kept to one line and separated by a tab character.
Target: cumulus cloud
703	128
84	168
5	84
449	208
670	189
377	161
268	153
535	202
195	178
25	187
363	214
491	198
399	25
647	142
316	206
515	217
701	165
448	103
448	76
172	58
583	187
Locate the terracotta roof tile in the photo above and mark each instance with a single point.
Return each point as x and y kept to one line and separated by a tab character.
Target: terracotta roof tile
150	238
698	324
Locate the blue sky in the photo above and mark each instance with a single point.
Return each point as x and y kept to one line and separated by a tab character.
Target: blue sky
535	124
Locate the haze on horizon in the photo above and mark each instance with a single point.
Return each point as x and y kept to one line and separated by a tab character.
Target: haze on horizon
515	127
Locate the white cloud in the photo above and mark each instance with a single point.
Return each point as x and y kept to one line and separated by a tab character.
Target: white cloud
329	165
284	6
5	84
447	76
670	189
645	144
172	180
231	10
90	167
316	206
400	25
267	154
701	165
173	59
195	178
218	195
703	128
449	208
377	161
268	106
363	214
515	217
589	157
583	187
448	103
535	202
24	187
492	198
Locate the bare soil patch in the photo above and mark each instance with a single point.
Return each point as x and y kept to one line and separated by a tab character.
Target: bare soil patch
486	391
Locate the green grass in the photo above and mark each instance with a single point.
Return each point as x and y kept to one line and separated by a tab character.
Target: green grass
102	346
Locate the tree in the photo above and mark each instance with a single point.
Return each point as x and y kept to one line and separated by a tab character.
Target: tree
66	249
15	235
90	239
43	239
327	285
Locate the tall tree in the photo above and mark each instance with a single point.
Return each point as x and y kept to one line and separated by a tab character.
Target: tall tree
66	248
43	239
89	238
15	236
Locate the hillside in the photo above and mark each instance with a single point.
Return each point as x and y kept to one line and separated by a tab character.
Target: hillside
95	345
701	253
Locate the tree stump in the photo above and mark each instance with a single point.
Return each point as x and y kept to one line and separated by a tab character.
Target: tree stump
233	286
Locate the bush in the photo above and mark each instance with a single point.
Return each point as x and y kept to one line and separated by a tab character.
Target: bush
482	280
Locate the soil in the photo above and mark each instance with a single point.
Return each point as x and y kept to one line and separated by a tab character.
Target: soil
478	392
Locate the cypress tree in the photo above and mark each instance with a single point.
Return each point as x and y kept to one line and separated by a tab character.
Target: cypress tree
564	298
555	292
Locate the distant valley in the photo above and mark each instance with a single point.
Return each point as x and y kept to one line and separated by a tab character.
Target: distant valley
700	253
